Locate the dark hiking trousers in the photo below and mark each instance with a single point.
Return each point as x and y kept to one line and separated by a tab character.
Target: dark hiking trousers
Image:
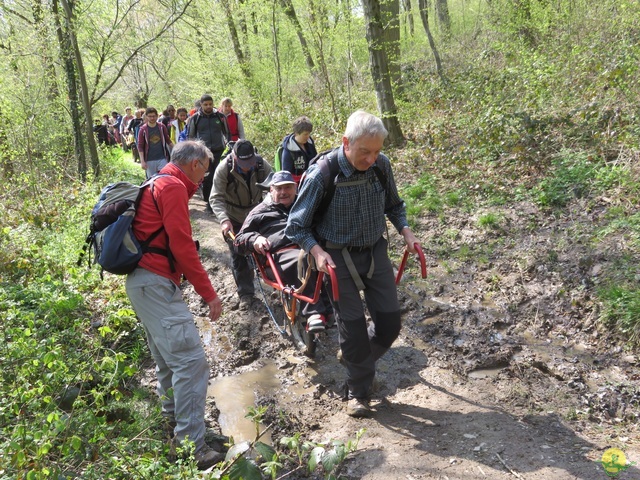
362	346
207	183
242	271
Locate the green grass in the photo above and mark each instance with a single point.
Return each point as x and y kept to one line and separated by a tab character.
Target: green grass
621	310
489	220
577	175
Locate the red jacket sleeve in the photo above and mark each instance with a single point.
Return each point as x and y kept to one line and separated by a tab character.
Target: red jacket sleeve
173	203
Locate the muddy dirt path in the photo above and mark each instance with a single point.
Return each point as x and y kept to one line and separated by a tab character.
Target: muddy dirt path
500	371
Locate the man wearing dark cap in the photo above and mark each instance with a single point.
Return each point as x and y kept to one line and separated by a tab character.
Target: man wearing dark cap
263	231
235	193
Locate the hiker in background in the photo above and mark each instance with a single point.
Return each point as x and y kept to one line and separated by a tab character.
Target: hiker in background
235	193
101	130
298	148
196	107
178	125
154	291
108	124
168	116
210	126
154	144
234	122
133	128
349	237
128	116
116	121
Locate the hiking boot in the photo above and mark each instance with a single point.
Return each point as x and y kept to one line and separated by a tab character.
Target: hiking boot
316	323
246	301
207	457
359	408
169	426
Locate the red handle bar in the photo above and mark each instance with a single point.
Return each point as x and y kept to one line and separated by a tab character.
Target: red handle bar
403	264
278	284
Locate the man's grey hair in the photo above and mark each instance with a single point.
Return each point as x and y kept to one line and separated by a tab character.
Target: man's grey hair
362	124
186	152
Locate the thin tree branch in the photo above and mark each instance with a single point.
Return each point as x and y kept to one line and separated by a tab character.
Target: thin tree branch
170	22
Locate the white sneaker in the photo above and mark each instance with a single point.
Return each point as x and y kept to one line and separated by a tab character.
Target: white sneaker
316	323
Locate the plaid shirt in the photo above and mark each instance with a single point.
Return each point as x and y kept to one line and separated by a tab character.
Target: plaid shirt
356	215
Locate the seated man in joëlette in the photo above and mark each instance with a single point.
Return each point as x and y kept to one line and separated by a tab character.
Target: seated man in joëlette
263	230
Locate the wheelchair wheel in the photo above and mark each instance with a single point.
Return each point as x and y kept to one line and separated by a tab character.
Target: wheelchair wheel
304	341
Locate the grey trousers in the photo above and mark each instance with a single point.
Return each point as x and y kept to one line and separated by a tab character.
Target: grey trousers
154	166
363	345
174	342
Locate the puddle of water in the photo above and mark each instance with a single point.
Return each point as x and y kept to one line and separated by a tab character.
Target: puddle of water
234	395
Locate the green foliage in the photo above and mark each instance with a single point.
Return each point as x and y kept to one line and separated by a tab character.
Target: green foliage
576	176
621	310
422	196
327	456
489	220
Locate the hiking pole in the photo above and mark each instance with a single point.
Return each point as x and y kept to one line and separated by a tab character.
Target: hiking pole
403	264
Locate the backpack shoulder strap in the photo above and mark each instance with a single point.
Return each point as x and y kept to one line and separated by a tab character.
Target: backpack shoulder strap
330	169
378	168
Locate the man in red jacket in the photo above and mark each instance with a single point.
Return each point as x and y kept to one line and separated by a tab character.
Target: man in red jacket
154	291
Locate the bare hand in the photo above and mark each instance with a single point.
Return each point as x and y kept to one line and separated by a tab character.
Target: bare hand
410	239
322	258
215	309
226	227
261	245
143	164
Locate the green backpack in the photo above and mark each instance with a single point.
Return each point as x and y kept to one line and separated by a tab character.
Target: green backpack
277	159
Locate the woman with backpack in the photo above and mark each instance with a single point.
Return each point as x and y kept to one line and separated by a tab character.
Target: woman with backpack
236	129
298	148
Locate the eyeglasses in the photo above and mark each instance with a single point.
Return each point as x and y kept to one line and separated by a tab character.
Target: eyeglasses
202	164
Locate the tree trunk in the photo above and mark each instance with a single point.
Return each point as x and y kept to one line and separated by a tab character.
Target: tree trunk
390	11
442	9
276	51
424	16
380	70
237	48
66	51
289	11
86	103
406	4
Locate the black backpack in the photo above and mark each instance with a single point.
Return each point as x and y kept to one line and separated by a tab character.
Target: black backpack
330	169
115	247
196	118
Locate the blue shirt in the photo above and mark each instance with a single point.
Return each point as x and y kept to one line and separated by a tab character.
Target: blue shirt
356	215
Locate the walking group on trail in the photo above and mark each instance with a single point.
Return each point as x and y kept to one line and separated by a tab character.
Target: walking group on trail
339	220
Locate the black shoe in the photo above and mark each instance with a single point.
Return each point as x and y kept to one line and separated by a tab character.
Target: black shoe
208	209
359	408
207	457
246	301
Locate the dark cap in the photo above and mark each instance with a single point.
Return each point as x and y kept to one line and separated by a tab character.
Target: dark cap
279	178
244	153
